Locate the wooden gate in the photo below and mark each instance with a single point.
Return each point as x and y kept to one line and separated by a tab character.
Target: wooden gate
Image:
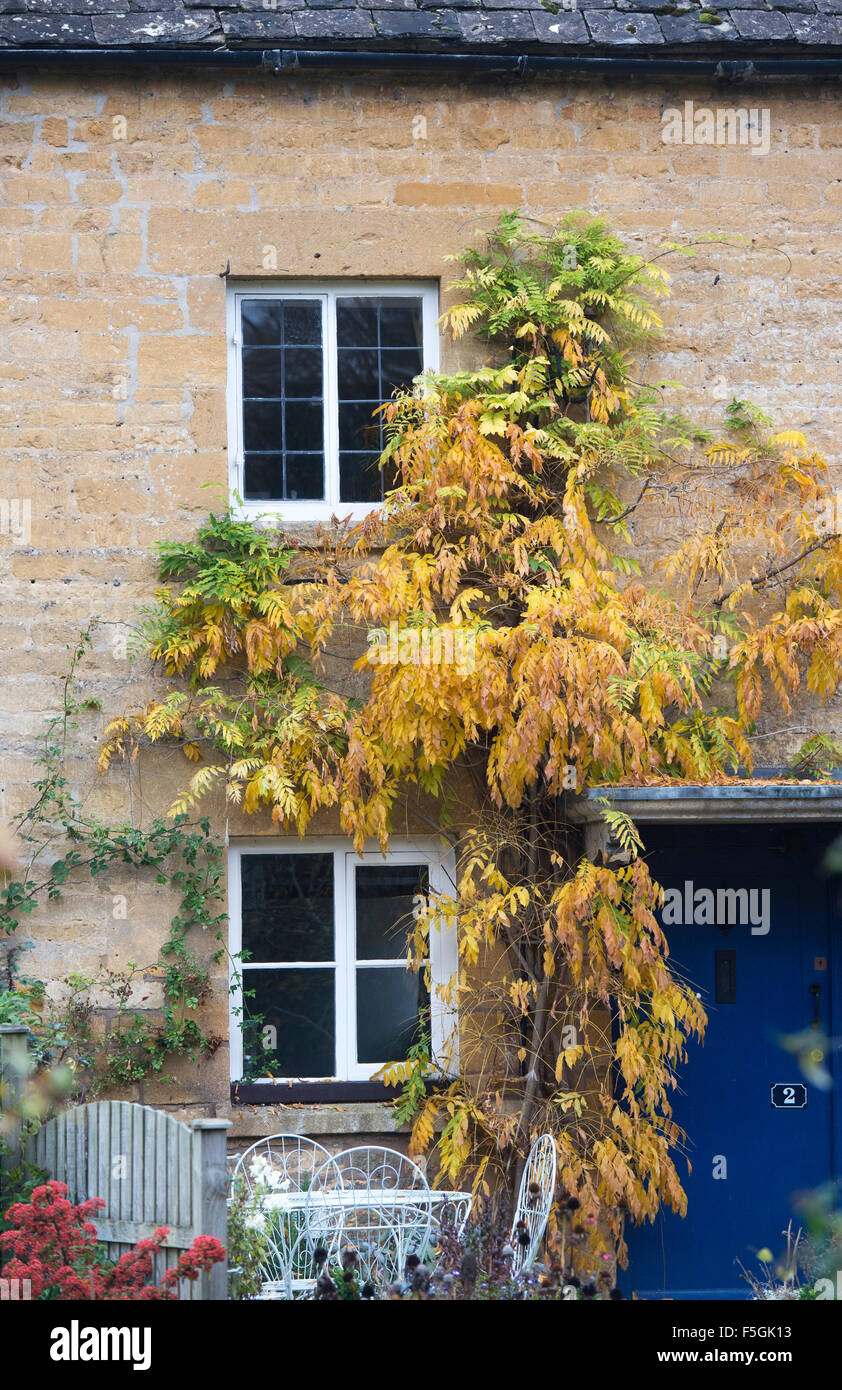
150	1169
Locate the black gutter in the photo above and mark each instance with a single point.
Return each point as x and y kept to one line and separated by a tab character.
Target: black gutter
518	65
287	60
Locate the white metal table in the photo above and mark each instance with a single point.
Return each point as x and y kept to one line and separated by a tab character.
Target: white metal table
376	1224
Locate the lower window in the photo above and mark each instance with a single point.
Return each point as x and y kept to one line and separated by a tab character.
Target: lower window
324	935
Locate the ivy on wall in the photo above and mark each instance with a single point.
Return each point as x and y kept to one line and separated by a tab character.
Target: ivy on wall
57	840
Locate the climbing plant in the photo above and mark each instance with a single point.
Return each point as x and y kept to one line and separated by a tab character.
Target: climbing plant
534	660
58	841
231	619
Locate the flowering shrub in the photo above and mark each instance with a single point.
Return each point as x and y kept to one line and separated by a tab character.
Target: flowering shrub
54	1244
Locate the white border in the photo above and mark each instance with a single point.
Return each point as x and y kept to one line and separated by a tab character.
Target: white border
326	291
444	959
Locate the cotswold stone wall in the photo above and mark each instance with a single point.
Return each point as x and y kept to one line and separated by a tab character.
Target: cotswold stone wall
126	197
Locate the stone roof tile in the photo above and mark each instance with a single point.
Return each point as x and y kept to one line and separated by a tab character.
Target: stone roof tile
817	28
628	27
747	28
762	24
497	26
321	25
414	24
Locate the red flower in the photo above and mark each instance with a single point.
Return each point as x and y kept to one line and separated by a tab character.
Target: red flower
54	1244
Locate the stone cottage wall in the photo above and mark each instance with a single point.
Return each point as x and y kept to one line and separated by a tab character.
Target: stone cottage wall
125	197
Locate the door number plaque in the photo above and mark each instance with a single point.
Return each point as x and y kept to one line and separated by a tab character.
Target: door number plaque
789	1097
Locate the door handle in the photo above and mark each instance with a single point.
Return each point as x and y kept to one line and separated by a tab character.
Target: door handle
815	990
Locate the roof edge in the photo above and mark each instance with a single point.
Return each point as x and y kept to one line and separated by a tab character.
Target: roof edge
739	801
737	66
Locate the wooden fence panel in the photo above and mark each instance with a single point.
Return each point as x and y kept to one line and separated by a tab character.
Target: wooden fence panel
150	1169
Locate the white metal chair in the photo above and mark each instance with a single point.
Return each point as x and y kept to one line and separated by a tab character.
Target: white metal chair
376	1201
292	1157
535	1198
285	1164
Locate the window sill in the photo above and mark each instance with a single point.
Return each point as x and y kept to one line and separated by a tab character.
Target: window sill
316	1092
348	1121
307	1092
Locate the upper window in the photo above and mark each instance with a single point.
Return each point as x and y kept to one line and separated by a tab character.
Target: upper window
323	935
309	366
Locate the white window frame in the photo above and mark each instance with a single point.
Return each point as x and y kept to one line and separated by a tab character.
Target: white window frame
444	958
327	291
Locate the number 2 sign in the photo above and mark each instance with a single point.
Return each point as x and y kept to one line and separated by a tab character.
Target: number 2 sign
792	1097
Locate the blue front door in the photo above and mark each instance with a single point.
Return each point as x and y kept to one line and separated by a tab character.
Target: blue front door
750	921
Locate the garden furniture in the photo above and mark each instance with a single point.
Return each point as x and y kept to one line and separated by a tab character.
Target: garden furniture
293	1158
378	1202
284	1164
535	1198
